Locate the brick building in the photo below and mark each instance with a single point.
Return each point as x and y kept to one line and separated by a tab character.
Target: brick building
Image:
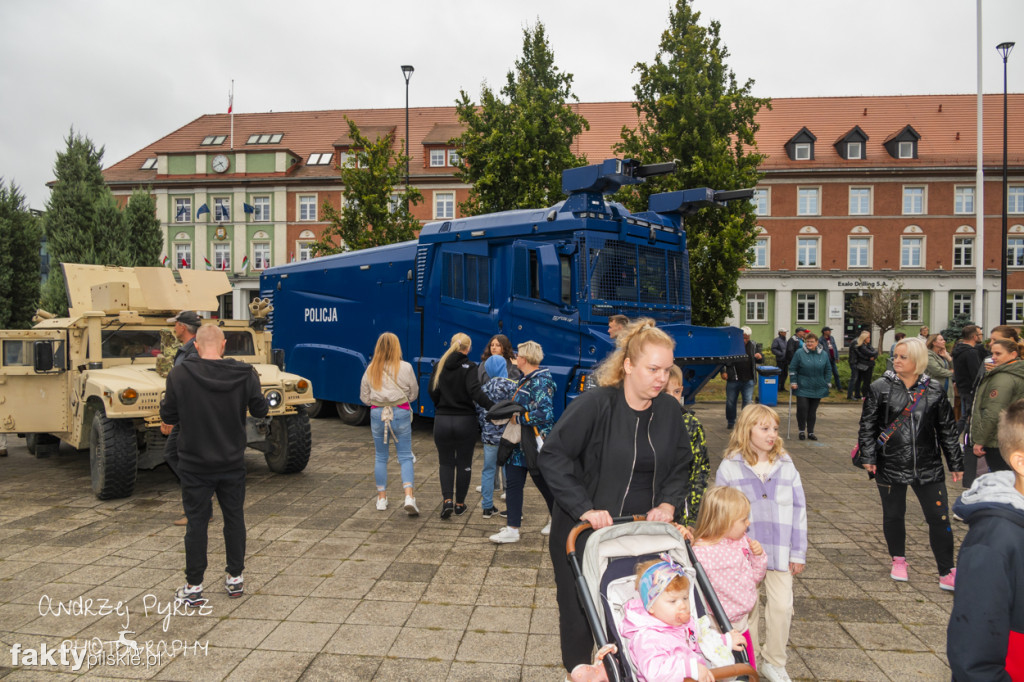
858	191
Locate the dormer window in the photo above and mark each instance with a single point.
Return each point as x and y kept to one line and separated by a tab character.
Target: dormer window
855	150
852	145
903	144
801	146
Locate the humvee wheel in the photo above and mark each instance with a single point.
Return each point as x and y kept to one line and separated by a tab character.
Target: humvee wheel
41	445
354	415
289	442
30	443
113	456
320	409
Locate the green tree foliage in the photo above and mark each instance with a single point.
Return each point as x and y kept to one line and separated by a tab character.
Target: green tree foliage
112	242
377	203
515	149
145	238
20	237
691	108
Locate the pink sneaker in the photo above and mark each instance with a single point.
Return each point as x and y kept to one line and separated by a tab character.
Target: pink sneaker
948	581
899	569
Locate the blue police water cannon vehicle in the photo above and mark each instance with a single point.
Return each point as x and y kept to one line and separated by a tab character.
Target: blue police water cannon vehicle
552	275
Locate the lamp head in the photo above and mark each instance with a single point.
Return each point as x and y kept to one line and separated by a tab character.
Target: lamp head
407	71
1005	49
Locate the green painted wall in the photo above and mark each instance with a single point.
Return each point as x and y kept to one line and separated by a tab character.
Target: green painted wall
761	332
171	208
209	163
259	163
181	165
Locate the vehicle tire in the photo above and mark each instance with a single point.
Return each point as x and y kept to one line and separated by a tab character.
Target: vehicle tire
30	443
354	415
113	456
290	443
321	409
42	445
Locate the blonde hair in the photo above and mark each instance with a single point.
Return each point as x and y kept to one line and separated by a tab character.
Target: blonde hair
630	343
721	507
862	338
916	351
460	343
675	374
679	584
739	439
531	352
387	357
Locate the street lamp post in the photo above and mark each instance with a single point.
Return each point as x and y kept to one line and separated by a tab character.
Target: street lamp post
1004	50
407	72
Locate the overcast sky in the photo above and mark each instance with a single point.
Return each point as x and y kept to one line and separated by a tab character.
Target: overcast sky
127	72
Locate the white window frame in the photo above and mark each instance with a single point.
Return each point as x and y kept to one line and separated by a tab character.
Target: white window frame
179	247
759	301
177	208
904	244
149	164
802	207
261	209
320	159
1015	251
257	258
867	251
304	250
964	245
1015	308
762	201
862	207
306	208
221	250
962	194
806	301
905	149
810	239
438	158
802	151
453	157
963	303
910	192
762	245
913	307
856	145
444	205
222	209
394	202
1015	199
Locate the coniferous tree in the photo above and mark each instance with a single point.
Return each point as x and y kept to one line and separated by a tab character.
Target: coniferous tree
112	239
20	239
145	238
376	201
514	150
691	108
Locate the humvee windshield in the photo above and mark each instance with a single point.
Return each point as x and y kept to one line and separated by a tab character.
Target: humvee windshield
134	343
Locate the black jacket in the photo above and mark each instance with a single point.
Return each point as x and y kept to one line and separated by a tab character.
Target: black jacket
458	387
794	344
587	460
864	354
912	455
207	399
966	363
744	370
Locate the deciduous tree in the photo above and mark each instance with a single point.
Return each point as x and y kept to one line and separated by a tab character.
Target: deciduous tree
691	108
884	307
20	238
517	144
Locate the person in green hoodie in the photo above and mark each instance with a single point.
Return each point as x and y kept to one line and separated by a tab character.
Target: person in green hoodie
999	388
810	374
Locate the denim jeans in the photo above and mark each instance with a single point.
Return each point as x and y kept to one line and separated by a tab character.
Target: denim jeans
402	426
732	392
487	476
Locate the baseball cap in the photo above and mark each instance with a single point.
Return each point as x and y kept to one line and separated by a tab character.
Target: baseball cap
826	329
801	329
186	317
784	331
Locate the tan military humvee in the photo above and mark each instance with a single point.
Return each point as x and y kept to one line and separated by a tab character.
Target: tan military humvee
91	379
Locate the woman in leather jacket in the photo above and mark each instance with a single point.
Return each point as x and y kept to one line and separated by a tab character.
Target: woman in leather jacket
906	426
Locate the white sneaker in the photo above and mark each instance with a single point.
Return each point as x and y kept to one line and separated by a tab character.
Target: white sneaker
479	488
503	496
546	530
773	673
410	506
506	535
382	503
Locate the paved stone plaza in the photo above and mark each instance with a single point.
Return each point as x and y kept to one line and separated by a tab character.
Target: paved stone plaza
336	590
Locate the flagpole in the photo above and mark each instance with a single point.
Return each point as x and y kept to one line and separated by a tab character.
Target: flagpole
231	111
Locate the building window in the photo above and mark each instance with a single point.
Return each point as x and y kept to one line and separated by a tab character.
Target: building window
264	138
911	249
149	164
860	201
913	200
807	252
906	150
963	252
1015	308
757	306
802	151
963	200
760	252
320	159
222	209
261	209
807	200
444	204
349	160
1015	252
807	307
183	209
453	157
307	207
437	158
213	140
394	203
912	306
963	304
305	250
859	252
183	256
762	202
1015	199
855	150
260	255
222	256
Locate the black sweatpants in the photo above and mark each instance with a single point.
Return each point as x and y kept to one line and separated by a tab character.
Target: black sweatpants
196	493
806	413
455	436
573	629
171	450
932	498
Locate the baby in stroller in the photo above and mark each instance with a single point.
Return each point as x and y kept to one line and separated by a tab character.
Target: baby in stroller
666	642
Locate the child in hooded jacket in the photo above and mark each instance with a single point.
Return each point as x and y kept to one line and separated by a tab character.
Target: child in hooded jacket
498	387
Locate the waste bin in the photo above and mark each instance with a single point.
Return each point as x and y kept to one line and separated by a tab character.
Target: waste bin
768	385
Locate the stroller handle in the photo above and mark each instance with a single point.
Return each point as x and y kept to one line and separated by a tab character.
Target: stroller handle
570	542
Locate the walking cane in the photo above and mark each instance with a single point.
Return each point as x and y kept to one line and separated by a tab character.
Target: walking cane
789	412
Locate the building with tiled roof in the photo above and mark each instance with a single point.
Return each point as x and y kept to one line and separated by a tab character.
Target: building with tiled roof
857	192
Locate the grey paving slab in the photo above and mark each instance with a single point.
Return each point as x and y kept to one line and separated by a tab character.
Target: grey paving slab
336	590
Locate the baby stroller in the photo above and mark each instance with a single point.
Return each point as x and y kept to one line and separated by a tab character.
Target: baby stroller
606	576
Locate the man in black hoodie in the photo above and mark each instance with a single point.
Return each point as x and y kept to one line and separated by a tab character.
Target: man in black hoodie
207	397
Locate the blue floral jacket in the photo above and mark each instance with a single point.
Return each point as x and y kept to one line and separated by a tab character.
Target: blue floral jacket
536	393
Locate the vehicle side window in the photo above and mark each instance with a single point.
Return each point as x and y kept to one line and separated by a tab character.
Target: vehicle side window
238	343
17	353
